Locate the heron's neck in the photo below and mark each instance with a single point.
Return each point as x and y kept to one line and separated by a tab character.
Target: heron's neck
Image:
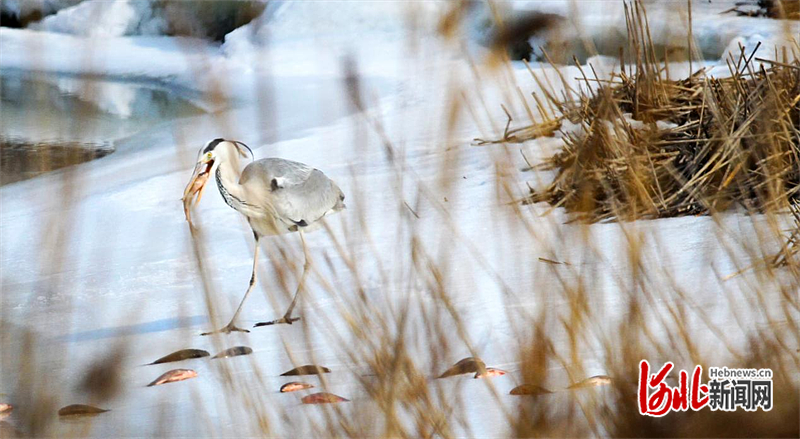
229	187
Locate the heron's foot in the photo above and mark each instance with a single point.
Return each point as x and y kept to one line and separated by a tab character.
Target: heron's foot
230	327
285	319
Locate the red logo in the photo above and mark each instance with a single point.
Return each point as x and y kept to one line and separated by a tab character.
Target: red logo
664	397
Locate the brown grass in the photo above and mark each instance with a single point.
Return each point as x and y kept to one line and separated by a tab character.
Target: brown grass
650	147
730	141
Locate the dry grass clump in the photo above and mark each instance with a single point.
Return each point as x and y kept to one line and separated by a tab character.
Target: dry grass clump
779	9
207	19
791	9
389	317
787	257
650	147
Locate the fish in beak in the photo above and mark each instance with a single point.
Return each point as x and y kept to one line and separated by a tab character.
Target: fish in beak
194	190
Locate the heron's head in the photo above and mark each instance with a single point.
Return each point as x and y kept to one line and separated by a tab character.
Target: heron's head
210	156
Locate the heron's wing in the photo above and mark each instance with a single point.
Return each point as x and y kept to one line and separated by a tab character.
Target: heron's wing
266	169
307	202
297	194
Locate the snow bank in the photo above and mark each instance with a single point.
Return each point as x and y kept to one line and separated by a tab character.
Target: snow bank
332	22
297	19
206	19
105	19
128	254
162	59
603	24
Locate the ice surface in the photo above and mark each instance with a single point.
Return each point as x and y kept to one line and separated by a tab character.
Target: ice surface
126	273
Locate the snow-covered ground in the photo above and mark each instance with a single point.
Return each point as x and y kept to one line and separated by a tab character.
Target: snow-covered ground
99	255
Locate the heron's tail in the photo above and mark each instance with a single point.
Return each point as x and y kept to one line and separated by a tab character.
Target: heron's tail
340	204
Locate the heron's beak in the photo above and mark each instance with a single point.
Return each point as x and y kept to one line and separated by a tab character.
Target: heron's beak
194	190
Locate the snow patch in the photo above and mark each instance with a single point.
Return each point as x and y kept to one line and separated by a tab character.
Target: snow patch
97	18
333	21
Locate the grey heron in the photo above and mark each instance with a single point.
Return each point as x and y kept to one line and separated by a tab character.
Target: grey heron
275	195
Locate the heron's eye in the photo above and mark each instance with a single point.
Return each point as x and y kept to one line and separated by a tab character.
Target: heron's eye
208	156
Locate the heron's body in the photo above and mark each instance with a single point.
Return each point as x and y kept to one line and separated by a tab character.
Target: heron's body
282	196
275	195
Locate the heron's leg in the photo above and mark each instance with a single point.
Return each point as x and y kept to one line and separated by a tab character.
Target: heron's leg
300	285
287	318
230	327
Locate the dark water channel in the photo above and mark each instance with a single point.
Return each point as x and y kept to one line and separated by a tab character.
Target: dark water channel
50	121
20	160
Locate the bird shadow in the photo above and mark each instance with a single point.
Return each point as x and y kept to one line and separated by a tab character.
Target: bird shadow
135	329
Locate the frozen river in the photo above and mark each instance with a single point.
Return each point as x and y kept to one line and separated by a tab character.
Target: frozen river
432	260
